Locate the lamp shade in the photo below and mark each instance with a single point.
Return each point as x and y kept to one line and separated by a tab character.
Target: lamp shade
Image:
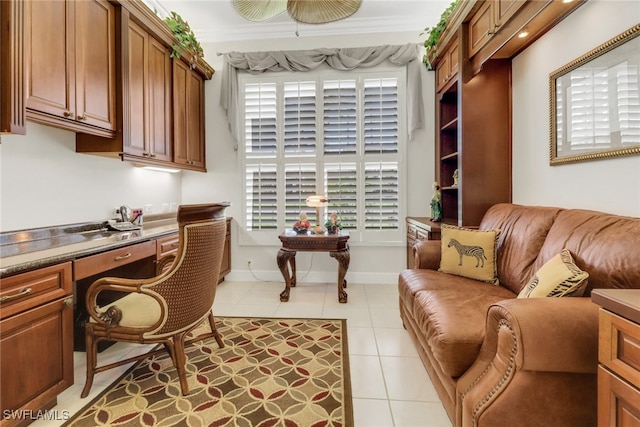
317	201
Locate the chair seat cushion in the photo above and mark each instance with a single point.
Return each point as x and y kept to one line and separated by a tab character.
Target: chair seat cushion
138	310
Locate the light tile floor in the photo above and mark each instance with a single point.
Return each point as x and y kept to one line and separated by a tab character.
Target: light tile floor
390	385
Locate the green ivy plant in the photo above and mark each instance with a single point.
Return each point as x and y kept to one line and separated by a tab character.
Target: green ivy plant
433	33
185	36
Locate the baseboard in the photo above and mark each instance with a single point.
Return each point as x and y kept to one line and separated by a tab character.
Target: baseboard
312	276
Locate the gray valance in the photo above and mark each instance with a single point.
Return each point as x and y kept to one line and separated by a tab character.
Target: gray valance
306	60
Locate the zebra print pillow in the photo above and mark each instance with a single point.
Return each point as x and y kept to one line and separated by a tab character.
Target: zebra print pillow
469	253
558	277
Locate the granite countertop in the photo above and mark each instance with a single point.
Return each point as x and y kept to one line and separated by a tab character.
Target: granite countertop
26	250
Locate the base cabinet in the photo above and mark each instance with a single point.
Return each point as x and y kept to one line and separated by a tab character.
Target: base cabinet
36	342
419	228
618	357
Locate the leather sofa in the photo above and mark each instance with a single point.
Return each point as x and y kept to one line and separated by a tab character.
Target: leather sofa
499	360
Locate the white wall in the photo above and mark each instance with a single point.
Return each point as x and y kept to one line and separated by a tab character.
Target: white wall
44	182
611	185
223	182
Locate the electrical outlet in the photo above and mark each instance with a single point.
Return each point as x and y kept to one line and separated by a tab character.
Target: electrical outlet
249	262
165	207
173	207
116	210
148	208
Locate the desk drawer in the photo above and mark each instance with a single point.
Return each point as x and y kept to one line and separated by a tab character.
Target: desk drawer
27	290
619	346
94	264
167	245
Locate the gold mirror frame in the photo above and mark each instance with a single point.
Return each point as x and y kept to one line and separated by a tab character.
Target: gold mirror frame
581	77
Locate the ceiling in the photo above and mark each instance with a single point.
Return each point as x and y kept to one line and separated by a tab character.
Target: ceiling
217	21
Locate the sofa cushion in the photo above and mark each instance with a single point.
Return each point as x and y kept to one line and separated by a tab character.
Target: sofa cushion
604	245
453	321
469	253
558	277
523	232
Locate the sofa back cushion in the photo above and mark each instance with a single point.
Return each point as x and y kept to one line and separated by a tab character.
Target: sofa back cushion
523	232
604	245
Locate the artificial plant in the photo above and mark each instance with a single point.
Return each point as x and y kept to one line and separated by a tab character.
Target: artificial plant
433	33
184	35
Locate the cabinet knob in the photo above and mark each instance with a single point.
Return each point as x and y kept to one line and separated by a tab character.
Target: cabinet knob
68	301
152	155
68	114
82	118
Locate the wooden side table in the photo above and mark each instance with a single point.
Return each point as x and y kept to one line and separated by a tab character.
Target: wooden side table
335	244
419	228
618	357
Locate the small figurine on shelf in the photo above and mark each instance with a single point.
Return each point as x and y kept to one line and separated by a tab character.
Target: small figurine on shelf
333	223
302	226
455	178
436	203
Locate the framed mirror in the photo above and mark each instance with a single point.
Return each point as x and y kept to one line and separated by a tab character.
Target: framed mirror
595	103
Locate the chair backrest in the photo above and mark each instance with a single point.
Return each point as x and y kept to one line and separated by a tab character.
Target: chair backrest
188	288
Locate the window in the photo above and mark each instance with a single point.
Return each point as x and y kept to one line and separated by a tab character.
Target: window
338	134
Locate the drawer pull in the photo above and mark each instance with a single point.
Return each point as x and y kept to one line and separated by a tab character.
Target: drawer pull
125	256
67	302
22	293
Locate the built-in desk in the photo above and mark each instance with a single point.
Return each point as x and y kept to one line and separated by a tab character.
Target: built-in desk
44	275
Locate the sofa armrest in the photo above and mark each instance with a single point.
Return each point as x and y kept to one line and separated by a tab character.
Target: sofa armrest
427	254
531	345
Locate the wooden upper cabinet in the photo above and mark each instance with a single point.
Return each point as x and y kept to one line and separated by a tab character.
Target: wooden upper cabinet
188	116
12	68
447	68
71	64
148	79
488	19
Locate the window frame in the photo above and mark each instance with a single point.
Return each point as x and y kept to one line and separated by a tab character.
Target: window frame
359	236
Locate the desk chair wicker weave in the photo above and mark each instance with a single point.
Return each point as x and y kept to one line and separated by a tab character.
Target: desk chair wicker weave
165	308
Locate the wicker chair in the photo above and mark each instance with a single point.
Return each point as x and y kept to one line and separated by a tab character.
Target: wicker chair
165	308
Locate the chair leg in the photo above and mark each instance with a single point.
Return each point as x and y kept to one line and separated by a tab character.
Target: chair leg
180	361
91	348
214	330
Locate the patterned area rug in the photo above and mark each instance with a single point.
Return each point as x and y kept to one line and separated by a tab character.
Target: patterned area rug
271	372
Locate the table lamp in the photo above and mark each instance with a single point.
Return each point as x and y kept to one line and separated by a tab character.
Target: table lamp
316	202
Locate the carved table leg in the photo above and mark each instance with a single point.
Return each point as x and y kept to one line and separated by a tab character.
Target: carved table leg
343	257
286	259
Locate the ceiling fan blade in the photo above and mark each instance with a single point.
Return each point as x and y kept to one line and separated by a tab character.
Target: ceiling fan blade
259	10
321	11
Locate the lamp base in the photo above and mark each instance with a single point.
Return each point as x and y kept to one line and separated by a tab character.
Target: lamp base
318	229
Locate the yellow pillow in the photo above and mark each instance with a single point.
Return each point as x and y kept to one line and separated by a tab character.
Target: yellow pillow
558	277
469	253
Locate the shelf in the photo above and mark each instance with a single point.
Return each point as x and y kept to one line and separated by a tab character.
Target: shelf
450	188
452	156
451	125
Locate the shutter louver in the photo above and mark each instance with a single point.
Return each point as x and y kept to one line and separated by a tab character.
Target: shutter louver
340	109
300	118
261	194
300	183
341	185
381	196
260	119
381	116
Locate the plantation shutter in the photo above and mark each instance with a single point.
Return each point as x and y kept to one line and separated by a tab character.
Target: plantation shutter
381	196
260	118
300	183
340	110
341	184
300	118
261	197
381	115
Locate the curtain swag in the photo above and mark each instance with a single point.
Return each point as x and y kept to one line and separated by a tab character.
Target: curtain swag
307	60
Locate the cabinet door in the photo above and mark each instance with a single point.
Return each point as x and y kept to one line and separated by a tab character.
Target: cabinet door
12	68
505	9
136	126
188	113
95	63
50	57
159	102
37	355
481	27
